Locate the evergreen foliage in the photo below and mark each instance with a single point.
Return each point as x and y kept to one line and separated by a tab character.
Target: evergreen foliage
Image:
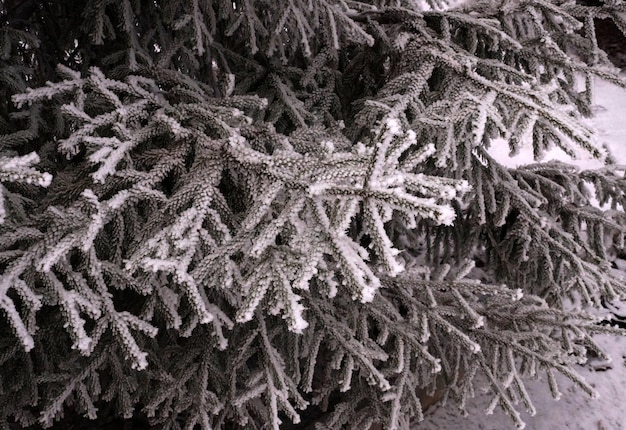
267	214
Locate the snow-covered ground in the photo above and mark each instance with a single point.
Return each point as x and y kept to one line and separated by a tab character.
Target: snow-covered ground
574	411
610	125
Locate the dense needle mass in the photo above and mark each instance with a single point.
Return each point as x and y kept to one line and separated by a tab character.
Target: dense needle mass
268	214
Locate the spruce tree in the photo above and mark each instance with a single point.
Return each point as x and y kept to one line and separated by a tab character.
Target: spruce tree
252	214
